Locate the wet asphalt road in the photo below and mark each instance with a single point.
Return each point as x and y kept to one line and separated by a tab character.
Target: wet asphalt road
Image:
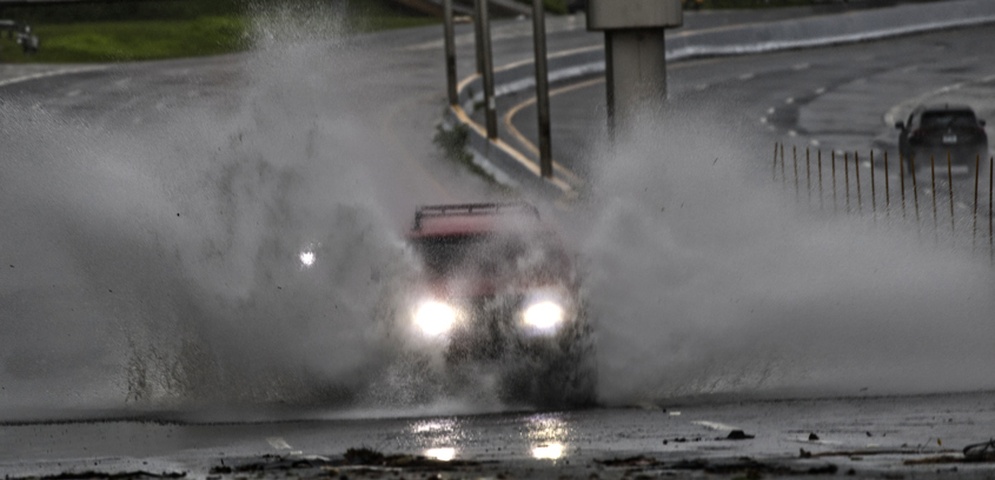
865	437
845	98
873	437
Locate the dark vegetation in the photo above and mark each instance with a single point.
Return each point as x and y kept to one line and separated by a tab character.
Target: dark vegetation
159	29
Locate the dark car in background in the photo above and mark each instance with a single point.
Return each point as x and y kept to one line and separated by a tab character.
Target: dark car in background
934	133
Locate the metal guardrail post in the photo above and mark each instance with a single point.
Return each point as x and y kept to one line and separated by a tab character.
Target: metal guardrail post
450	34
490	104
478	36
635	56
542	89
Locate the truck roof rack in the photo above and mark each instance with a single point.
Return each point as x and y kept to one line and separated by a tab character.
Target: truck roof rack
493	208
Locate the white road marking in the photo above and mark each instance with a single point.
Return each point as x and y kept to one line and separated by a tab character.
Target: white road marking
38	76
74	93
701	87
800	66
771	110
714	425
278	443
789	100
763	120
746	76
820	90
792	133
815	143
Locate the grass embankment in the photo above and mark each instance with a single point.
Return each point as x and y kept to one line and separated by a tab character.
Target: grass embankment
161	29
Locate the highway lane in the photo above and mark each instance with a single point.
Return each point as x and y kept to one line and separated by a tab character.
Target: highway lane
842	98
859	436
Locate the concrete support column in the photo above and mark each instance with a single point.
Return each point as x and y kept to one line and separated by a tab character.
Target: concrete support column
635	58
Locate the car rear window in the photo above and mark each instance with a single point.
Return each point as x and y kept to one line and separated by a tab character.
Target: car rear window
948	119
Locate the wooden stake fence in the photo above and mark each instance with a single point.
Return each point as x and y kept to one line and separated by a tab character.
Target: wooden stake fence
907	169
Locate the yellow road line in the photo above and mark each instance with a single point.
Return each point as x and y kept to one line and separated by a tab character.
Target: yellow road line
509	118
508	149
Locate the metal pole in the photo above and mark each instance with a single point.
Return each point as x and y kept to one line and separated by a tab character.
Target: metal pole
834	179
542	89
794	158
450	34
932	176
490	105
808	174
915	188
977	175
856	171
874	193
846	178
950	188
478	37
774	173
901	180
887	187
819	161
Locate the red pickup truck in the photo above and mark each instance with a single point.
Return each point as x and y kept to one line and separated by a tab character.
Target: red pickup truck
497	295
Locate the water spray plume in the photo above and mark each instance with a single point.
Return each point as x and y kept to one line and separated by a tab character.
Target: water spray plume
705	280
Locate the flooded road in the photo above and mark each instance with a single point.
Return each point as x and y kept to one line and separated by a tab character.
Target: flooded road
867	437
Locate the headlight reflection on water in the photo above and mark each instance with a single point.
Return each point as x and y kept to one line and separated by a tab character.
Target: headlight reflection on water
548	436
441	434
551	451
444	454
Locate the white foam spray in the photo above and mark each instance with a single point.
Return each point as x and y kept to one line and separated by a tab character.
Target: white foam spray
230	252
706	278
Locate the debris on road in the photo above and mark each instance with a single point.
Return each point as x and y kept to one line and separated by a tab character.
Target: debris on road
636	461
739	435
980	452
89	475
751	467
975	453
355	459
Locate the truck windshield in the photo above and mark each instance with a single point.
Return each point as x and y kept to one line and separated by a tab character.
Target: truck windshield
490	255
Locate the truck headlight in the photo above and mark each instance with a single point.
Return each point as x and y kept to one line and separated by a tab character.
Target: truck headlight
435	318
545	316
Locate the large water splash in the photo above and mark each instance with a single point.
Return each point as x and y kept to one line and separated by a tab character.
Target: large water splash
706	279
229	252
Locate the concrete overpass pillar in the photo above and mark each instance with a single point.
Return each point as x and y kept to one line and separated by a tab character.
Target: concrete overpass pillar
636	66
